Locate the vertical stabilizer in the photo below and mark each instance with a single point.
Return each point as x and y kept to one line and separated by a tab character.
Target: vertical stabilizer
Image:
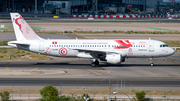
22	30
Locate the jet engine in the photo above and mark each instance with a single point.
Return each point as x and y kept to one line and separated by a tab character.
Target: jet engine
114	58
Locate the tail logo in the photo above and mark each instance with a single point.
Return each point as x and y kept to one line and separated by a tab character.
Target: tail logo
63	51
25	29
16	21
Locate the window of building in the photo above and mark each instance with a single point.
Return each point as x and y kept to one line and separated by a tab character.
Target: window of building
63	5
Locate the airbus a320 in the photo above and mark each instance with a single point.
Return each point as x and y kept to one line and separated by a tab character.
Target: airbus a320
112	51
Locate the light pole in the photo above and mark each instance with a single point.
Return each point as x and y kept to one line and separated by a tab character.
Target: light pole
85	97
114	93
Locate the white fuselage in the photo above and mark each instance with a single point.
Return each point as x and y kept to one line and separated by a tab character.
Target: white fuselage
84	48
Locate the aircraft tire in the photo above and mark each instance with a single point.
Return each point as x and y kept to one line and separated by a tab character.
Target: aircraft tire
93	64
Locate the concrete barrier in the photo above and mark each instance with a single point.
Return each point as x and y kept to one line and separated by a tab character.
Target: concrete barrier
125	16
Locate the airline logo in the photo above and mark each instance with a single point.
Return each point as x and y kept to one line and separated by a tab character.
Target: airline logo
63	51
48	50
27	31
130	50
124	44
16	21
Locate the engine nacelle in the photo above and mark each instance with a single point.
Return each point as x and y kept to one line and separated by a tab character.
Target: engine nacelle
114	58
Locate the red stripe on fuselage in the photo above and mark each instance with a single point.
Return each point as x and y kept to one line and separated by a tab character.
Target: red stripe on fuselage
124	44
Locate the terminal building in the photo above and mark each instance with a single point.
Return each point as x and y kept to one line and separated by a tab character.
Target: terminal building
89	6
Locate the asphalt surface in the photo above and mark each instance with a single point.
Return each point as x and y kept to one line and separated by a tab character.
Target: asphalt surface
163	37
11	36
85	82
134	71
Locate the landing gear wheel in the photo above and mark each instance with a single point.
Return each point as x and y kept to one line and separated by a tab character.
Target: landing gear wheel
151	62
97	62
94	64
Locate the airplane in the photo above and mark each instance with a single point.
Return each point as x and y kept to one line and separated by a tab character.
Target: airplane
112	51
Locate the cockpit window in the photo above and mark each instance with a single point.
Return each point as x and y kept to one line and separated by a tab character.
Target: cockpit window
164	45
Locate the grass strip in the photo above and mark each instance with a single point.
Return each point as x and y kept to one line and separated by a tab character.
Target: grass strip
17	54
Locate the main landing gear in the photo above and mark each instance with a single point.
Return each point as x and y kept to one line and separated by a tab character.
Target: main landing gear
151	62
95	63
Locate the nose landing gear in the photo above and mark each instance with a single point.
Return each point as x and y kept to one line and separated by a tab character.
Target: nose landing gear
151	62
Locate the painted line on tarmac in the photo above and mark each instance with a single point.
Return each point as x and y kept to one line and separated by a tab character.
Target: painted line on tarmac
35	69
108	72
7	68
171	60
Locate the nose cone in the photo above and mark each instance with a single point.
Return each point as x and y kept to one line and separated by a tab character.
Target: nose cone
171	52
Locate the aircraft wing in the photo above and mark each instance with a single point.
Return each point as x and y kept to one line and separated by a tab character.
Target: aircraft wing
89	53
99	51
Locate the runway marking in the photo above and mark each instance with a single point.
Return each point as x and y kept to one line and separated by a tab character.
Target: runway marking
32	76
174	62
171	60
108	72
35	68
8	68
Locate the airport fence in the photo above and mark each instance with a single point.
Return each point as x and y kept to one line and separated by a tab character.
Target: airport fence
98	90
124	16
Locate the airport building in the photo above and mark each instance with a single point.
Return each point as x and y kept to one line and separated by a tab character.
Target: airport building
89	6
